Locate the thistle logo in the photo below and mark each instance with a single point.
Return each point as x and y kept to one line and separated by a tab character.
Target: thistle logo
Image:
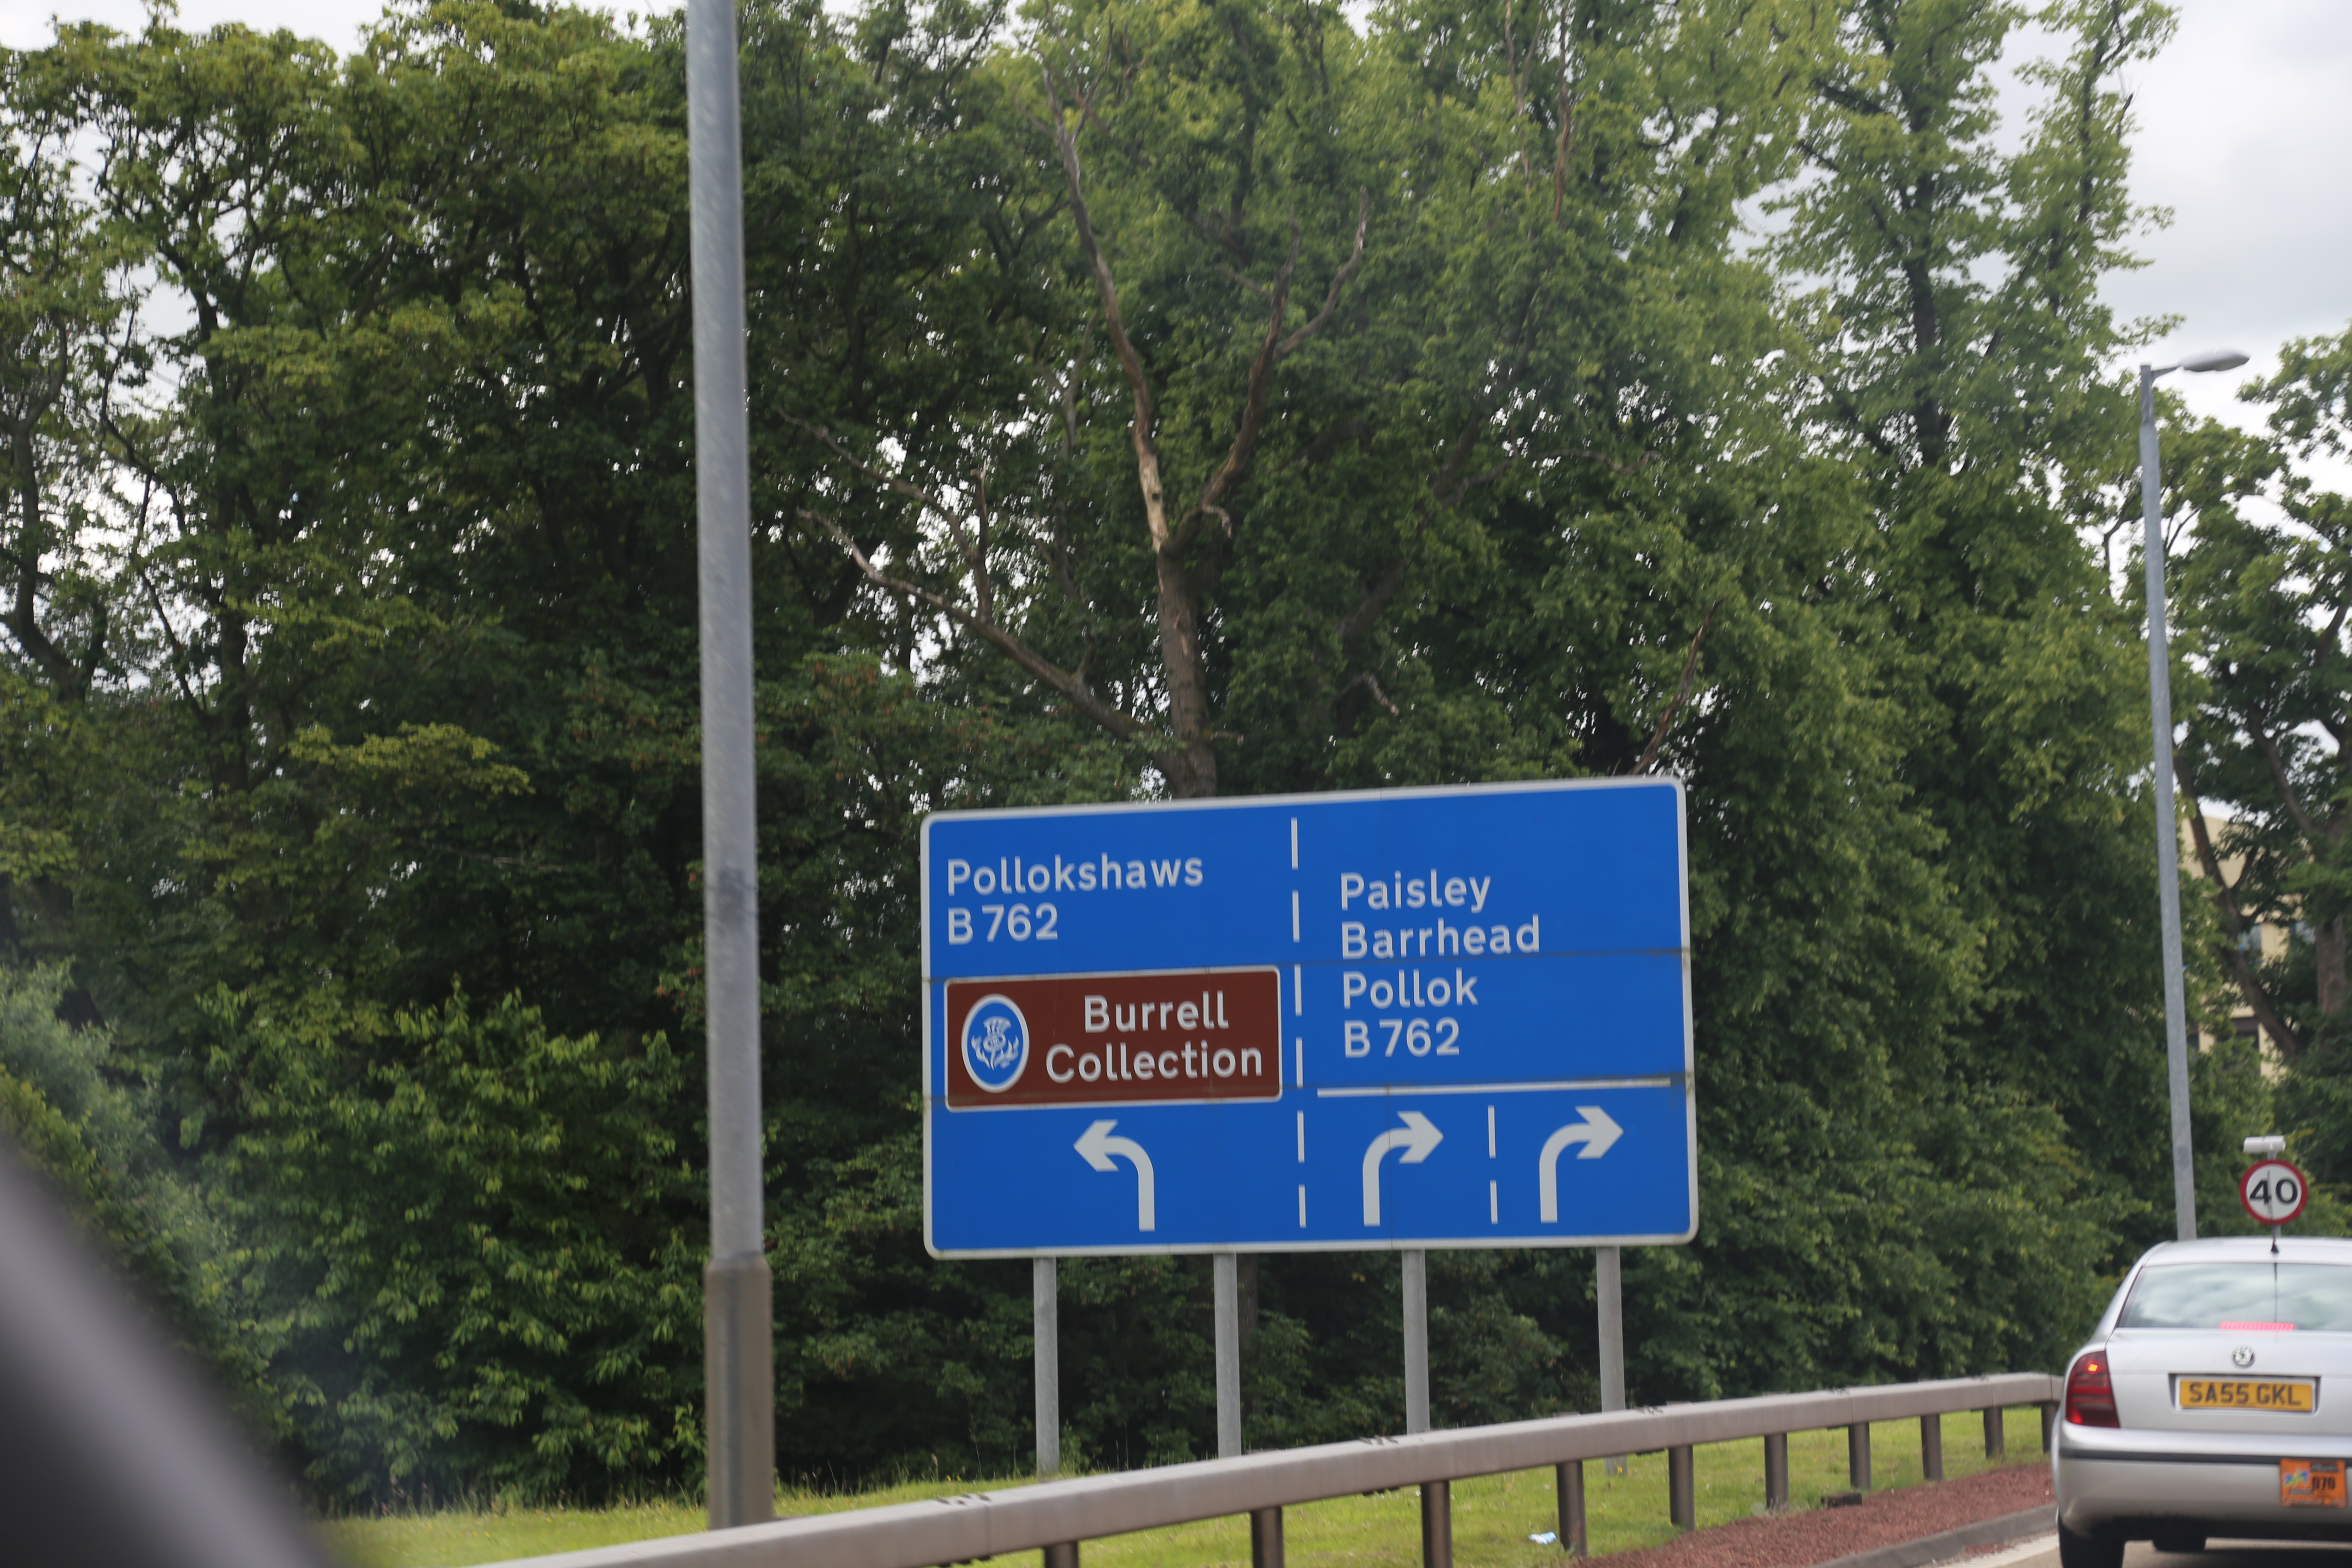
996	1043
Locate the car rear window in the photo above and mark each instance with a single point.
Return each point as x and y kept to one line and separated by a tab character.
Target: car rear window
2251	1295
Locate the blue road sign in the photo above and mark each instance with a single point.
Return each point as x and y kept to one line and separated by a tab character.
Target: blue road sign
1412	1018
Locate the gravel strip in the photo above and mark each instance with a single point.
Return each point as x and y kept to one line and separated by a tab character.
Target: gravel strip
1950	1545
1824	1534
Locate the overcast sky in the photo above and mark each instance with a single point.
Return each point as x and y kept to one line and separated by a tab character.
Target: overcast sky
2245	125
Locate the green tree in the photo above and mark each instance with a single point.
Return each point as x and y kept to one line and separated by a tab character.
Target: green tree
1958	343
67	355
2265	585
64	1108
1212	399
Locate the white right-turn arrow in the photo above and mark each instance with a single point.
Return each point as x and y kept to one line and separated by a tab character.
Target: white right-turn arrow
1098	1146
1417	1137
1596	1133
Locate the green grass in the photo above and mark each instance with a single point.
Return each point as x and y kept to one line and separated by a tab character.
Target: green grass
1493	1516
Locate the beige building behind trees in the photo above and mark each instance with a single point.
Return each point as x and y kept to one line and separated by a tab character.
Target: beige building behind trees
2258	941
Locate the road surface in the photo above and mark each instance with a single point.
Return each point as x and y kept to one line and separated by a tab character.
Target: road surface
2219	1554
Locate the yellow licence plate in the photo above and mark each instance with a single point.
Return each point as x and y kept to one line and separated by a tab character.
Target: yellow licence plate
2294	1395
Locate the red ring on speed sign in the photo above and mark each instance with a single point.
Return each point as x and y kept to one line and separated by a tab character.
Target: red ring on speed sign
2274	1192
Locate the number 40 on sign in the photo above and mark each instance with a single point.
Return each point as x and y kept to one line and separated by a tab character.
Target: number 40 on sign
2274	1192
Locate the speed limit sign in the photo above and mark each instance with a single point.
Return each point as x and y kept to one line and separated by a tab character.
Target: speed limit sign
2274	1192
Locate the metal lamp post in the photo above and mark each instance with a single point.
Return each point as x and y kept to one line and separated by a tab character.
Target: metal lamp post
2167	829
738	1348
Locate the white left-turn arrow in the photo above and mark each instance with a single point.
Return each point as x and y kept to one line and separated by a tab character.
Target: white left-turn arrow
1597	1131
1098	1146
1417	1137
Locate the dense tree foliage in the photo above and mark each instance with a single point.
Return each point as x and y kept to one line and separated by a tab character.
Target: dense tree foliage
1150	398
2266	582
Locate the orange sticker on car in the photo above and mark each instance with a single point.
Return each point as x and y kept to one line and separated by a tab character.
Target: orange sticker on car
2311	1483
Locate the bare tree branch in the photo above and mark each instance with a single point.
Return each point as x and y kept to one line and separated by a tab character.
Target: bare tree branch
1375	601
973	547
1370	683
1327	710
889	480
1245	443
1323	445
981	586
2268	746
179	652
1340	281
1446	486
882	477
1081	696
1682	694
1272	351
1146	447
2234	922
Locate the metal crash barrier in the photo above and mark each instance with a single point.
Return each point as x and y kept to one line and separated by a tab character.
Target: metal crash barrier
1056	1517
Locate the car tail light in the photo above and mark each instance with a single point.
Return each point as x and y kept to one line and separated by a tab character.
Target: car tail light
2090	1393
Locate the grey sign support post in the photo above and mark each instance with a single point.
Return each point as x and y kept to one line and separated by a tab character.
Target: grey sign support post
738	1335
1224	1269
1045	1291
1416	1340
1609	1297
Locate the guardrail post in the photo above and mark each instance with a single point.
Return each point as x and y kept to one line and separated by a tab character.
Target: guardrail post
1931	1447
2049	1419
1436	1524
1857	1455
1682	1498
1266	1538
1996	1434
1572	1537
1063	1556
1776	1471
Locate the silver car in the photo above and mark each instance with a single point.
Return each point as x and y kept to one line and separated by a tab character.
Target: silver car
2214	1399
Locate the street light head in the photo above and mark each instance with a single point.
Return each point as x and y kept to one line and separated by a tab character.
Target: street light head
2221	359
